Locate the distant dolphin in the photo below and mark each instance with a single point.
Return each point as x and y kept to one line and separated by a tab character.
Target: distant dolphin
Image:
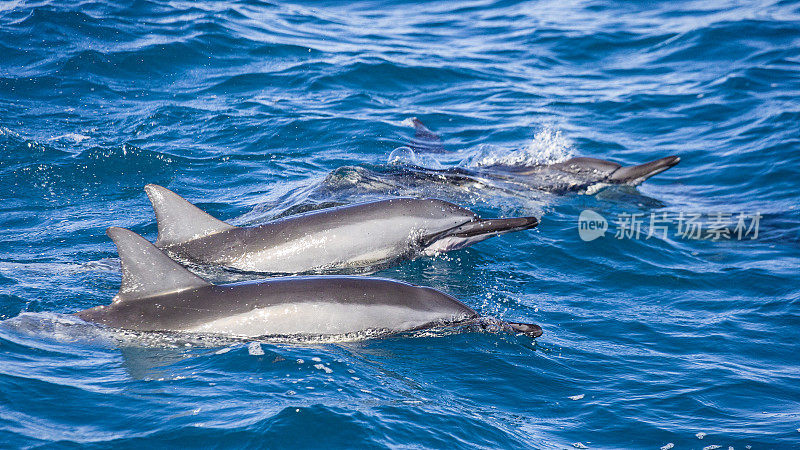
361	236
580	174
157	294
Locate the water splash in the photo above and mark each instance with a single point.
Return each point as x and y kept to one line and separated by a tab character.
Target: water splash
548	146
405	156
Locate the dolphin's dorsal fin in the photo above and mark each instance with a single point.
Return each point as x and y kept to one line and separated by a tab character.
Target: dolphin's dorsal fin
424	139
146	270
178	220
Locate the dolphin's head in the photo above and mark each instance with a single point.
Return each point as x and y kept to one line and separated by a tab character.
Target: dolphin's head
450	227
589	175
427	215
441	215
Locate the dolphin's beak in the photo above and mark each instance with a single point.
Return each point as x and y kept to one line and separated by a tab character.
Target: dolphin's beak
480	229
634	175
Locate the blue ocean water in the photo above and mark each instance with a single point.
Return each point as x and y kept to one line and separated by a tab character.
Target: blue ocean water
254	110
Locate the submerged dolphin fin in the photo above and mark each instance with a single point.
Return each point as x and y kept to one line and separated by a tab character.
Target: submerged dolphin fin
146	270
475	231
424	138
178	220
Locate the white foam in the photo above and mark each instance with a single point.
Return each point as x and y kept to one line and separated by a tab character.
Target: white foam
7	132
254	349
323	367
74	137
548	146
408	122
405	156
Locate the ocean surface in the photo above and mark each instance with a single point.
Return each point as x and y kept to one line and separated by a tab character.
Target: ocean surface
255	110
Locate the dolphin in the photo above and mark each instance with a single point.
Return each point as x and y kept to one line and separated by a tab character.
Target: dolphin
580	174
583	174
158	294
356	237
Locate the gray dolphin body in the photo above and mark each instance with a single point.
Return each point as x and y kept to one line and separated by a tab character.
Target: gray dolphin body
360	236
157	294
581	174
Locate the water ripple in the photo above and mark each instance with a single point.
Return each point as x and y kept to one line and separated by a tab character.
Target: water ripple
256	110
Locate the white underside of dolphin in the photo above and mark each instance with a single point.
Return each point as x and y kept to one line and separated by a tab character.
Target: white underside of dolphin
320	318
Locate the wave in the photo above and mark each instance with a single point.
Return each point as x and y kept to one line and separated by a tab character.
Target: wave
260	109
